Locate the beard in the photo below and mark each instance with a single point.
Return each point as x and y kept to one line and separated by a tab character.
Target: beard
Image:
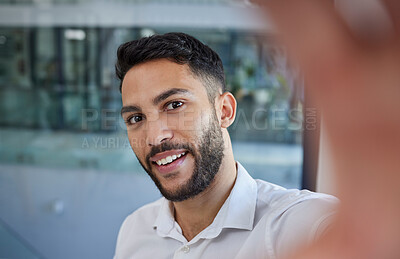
208	158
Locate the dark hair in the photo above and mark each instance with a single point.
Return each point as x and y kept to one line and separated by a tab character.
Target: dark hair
177	47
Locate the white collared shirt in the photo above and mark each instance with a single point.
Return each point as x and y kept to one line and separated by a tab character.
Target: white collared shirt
257	220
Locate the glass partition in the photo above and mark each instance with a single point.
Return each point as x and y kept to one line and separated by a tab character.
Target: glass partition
67	174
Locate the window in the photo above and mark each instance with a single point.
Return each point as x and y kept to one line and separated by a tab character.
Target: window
64	145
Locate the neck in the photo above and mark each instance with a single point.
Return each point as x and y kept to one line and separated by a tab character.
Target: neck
195	214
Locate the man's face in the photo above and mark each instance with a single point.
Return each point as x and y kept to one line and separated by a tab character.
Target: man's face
172	127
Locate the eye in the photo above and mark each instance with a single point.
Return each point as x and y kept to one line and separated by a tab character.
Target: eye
173	105
134	119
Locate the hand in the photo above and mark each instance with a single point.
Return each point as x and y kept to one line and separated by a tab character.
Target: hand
349	55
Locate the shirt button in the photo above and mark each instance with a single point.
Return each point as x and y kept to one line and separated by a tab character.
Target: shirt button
186	249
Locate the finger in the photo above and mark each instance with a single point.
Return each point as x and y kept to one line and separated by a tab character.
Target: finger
393	8
369	20
315	35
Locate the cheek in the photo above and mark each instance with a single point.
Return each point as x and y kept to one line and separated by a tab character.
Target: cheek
195	135
137	143
183	121
188	121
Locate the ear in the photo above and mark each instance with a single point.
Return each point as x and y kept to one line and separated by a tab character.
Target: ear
228	109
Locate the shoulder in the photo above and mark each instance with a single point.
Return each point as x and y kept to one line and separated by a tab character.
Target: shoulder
141	219
294	217
279	199
150	209
138	224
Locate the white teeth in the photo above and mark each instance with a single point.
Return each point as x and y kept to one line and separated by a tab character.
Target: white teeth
169	159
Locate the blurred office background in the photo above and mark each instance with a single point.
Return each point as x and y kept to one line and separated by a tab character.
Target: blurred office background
68	177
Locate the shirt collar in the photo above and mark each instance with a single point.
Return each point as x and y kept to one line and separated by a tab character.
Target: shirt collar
241	203
237	211
165	220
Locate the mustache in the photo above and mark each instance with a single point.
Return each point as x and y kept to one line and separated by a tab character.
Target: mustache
165	146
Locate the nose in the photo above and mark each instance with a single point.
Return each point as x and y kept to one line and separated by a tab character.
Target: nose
157	132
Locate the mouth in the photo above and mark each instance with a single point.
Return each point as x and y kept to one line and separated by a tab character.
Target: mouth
169	161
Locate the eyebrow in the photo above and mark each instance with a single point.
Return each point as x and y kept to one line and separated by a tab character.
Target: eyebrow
156	100
130	108
161	97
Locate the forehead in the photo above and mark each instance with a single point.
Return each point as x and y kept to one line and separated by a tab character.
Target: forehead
147	80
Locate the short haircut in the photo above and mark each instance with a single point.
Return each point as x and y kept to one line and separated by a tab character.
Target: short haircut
181	48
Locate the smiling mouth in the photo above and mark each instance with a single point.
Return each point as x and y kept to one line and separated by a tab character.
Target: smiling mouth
169	159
